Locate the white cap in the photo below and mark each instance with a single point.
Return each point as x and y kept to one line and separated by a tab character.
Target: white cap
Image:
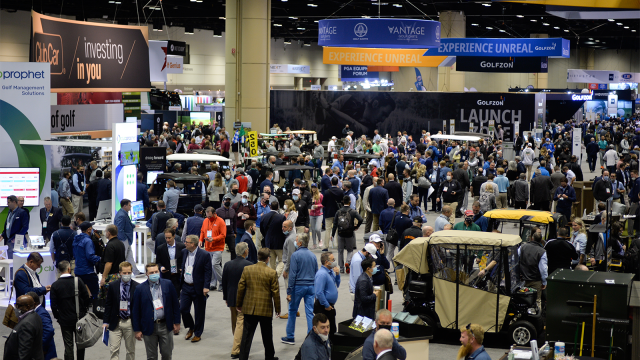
371	249
374	238
245	194
334	138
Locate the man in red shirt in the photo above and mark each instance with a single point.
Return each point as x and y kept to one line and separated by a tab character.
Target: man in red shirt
243	181
213	234
224	146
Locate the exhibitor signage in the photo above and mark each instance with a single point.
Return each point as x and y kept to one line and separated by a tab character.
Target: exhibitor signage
355	73
178	48
91	56
379	33
518	47
289	69
503	65
71	118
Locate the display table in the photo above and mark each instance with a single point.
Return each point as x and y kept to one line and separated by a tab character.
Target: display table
138	247
47	271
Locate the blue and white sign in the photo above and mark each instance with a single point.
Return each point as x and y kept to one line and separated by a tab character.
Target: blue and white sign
379	33
357	73
520	47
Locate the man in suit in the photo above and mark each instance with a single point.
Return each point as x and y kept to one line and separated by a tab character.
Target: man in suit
258	294
125	231
117	312
17	223
160	238
168	256
50	218
25	341
395	190
331	200
382	344
271	229
196	277
104	189
159	221
141	192
63	307
540	191
365	297
383	321
230	278
155	314
48	345
26	279
92	194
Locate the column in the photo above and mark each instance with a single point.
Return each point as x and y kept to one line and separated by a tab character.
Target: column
452	25
247	27
540	80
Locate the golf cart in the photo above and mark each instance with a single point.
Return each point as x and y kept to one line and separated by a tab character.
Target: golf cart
186	183
283	193
443	285
528	220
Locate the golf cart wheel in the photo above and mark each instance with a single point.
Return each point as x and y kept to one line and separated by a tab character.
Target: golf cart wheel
521	332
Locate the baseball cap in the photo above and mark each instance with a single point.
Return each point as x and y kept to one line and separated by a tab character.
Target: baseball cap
371	249
375	238
295	192
227	196
85	225
334	138
245	194
198	208
417	219
468	213
314	185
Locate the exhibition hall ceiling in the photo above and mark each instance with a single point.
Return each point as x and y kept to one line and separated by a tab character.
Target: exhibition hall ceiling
296	20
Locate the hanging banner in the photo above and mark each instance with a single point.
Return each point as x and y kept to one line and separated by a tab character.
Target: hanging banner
379	57
158	123
379	33
160	63
356	73
72	118
252	137
91	56
518	47
503	65
591	76
93	98
178	48
289	69
400	111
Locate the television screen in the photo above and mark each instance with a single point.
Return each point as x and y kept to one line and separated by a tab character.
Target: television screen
20	182
129	154
137	210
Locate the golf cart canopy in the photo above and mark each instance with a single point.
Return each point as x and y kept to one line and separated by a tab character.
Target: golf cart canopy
196	157
542	217
455	137
301	132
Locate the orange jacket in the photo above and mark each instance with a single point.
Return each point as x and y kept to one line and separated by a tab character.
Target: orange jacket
218	234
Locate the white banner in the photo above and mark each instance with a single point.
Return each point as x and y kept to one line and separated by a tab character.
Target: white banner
289	69
174	64
601	76
161	64
24	113
577	143
70	118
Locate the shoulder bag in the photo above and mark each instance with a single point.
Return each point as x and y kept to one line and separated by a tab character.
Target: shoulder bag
392	235
89	328
10	317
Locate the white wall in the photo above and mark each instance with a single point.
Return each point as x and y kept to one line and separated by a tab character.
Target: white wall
14	36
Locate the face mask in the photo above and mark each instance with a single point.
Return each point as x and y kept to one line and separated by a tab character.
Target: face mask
606	178
126	278
79	231
323	337
284	207
154	278
287	233
295	197
244	201
375	270
297	246
449	177
227	203
234	192
333	264
388	327
227	177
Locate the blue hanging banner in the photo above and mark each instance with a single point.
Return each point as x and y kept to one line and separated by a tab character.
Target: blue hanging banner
519	47
357	73
379	33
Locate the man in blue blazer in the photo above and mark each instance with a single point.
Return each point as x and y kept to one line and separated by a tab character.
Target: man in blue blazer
17	223
156	313
125	231
26	278
196	277
117	318
104	188
50	217
48	345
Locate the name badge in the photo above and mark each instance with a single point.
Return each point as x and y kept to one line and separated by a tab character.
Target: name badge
209	233
227	222
51	214
173	263
44	224
608	190
189	270
124	305
444	189
157	304
62	252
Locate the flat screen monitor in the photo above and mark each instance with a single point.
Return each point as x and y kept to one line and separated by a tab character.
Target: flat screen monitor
152	175
104	210
36	240
137	210
20	182
129	153
200	116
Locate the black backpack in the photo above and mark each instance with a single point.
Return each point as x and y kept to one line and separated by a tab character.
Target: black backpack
98	248
344	220
392	235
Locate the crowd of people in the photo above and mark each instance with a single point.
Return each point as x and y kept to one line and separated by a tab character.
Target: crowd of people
271	223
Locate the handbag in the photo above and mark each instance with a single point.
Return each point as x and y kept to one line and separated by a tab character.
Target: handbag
10	317
392	234
88	329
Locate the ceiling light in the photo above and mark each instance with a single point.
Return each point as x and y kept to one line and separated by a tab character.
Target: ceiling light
301	28
486	5
293	17
534	20
545	24
566	30
111	2
316	21
287	42
489	28
312	5
193	0
633	30
217	33
474	24
223	18
611	20
397	5
285	0
556	27
597	40
501	30
365	17
277	24
307	43
626	27
618	23
591	39
520	16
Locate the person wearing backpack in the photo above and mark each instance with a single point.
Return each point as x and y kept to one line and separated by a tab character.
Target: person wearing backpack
344	224
62	241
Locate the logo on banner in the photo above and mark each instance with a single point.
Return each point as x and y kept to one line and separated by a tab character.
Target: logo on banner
164	48
171	47
407	32
626	76
325	32
581	97
611	77
48	48
360	30
438	33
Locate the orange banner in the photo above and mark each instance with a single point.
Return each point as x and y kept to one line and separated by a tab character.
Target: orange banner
379	57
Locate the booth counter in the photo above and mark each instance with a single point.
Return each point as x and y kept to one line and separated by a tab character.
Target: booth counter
46	273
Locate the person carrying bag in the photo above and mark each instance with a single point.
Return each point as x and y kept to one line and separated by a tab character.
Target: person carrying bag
89	328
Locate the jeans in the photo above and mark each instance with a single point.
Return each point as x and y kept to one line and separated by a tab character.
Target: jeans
216	263
345	244
422	194
315	227
239	233
308	294
601	153
160	337
68	332
591	159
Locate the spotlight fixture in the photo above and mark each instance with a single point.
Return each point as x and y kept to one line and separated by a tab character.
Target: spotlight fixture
611	20
474	24
312	5
301	28
545	24
277	25
520	16
489	28
566	30
618	24
556	27
534	20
